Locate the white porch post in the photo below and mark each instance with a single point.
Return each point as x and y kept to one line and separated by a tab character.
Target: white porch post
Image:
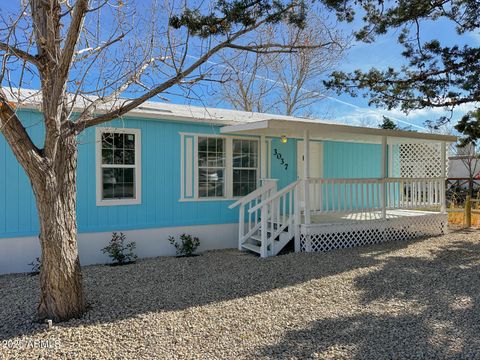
296	211
384	176
306	186
306	175
241	226
263	158
443	175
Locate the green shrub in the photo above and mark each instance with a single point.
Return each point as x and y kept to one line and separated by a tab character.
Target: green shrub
120	252
186	246
36	266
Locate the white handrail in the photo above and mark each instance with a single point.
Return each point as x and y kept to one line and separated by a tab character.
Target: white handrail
277	213
277	195
248	222
254	194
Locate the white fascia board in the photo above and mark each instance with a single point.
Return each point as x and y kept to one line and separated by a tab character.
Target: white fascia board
241	124
324	129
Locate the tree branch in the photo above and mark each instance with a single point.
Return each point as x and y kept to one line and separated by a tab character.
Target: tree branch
276	47
88	122
17	137
68	52
132	104
20	54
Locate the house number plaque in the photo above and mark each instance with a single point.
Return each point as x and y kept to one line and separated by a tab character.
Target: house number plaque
279	156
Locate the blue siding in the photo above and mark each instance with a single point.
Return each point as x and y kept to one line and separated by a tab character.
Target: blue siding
161	163
17	205
351	160
160	184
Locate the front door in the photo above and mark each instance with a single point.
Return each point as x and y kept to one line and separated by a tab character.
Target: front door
316	169
316	159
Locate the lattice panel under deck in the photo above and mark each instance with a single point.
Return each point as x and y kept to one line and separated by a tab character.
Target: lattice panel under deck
419	160
339	236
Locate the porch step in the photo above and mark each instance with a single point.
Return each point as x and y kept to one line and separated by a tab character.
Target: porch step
251	247
254	243
259	236
256	238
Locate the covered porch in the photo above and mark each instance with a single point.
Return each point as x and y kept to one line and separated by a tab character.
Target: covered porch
405	199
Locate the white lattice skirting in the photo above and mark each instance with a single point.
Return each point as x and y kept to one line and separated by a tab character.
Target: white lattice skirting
325	237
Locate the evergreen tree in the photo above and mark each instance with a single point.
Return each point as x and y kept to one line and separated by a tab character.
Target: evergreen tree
388	124
436	75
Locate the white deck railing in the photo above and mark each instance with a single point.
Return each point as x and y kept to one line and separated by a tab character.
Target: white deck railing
369	194
249	221
278	213
273	214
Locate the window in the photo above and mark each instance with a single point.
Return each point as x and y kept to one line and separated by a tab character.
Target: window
118	164
216	167
245	165
211	167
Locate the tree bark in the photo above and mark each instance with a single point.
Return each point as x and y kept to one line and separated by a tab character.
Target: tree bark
62	296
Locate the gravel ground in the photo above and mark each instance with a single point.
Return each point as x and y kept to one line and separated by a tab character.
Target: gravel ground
396	300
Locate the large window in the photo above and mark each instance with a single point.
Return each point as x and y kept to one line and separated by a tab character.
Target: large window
245	165
118	166
211	167
215	167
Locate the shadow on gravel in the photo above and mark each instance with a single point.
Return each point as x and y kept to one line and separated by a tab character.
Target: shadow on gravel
168	283
444	290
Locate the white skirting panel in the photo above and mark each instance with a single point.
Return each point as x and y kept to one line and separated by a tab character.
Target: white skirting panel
325	237
16	253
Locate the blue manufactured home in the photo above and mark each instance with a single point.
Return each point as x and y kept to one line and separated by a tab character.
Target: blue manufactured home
234	179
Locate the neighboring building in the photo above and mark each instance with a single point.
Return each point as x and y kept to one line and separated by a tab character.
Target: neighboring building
463	164
169	169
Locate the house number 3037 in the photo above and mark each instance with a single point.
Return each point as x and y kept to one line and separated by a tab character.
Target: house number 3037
279	156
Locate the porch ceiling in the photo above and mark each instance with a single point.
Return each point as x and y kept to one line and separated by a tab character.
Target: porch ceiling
330	131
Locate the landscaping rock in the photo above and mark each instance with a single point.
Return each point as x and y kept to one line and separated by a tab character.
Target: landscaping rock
395	300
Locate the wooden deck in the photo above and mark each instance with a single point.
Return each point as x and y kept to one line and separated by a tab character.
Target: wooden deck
334	218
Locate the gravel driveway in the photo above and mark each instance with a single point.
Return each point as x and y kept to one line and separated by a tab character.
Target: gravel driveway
397	300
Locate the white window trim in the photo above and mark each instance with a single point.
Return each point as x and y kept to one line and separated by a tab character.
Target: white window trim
225	167
98	165
228	166
247	168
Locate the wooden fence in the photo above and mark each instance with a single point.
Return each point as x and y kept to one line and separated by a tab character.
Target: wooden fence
471	206
457	190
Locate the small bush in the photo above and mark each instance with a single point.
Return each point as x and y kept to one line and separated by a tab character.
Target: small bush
118	251
187	245
36	266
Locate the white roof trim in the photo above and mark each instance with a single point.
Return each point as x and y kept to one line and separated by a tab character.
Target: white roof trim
32	99
236	121
318	130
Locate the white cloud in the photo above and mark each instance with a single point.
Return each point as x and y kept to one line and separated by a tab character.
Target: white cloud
432	113
355	115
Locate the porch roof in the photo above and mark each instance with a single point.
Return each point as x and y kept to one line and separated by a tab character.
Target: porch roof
330	131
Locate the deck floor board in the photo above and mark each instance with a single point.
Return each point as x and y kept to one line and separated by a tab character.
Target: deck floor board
365	216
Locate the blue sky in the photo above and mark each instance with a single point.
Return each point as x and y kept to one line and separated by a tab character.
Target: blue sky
384	52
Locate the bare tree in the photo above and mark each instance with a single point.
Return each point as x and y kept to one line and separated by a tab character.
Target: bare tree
248	84
284	83
469	157
85	55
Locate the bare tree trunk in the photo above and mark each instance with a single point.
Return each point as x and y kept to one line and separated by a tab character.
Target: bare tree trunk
470	186
62	295
61	40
